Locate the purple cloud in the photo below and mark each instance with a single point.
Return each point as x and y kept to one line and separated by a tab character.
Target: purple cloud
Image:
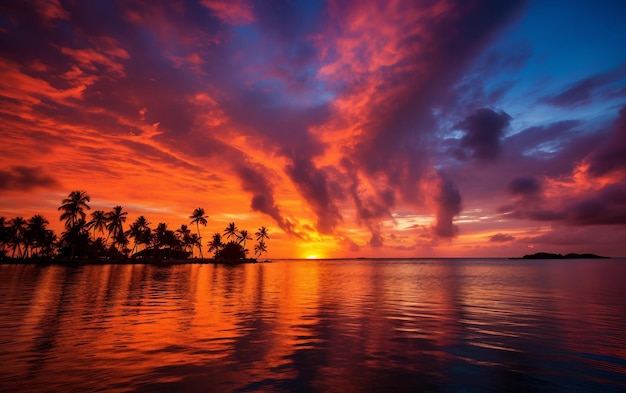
583	91
501	238
25	178
524	186
483	131
313	185
610	156
448	201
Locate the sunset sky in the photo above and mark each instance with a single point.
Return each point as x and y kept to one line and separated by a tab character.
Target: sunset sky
348	128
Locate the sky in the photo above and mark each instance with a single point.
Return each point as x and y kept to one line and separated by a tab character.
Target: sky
348	128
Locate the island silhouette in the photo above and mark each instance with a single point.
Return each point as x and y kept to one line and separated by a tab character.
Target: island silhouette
104	238
547	255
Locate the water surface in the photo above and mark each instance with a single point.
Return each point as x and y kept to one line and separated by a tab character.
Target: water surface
466	325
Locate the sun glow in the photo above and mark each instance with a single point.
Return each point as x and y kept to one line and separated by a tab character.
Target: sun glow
311	257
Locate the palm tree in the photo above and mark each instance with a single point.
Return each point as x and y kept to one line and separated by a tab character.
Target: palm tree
159	235
198	218
216	244
262	234
17	227
194	241
76	235
121	241
36	232
231	231
260	248
171	241
98	222
184	235
4	237
49	244
116	219
140	232
73	208
243	236
163	238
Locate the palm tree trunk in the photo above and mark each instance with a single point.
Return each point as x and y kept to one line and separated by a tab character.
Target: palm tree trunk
199	240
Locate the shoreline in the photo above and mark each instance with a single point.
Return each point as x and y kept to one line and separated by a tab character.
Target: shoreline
157	262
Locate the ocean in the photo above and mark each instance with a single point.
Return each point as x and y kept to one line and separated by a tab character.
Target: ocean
355	325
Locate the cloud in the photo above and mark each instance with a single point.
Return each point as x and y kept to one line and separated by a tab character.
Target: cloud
501	238
255	181
237	12
448	202
50	10
610	157
388	85
313	185
524	186
276	95
604	206
583	91
483	131
26	178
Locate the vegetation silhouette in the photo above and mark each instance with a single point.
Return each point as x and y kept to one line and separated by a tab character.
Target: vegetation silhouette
198	218
103	238
547	255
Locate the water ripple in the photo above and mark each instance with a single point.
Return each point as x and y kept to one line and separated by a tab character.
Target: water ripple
331	326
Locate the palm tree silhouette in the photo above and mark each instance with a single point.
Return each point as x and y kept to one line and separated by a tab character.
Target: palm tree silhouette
231	231
262	234
198	218
121	242
36	232
73	208
216	244
184	236
17	227
140	232
194	241
243	236
260	248
77	235
116	219
4	236
98	222
49	244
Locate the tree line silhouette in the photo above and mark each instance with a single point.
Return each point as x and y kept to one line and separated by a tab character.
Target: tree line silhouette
103	237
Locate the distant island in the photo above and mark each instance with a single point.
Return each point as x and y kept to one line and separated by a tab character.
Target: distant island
547	255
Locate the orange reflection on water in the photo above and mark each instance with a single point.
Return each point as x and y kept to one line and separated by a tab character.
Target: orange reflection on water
306	325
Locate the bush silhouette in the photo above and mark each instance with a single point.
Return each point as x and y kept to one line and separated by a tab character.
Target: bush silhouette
232	250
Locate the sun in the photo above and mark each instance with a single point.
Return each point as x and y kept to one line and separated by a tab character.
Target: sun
311	257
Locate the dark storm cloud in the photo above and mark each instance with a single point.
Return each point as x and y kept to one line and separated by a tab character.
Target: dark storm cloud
25	178
524	186
483	131
583	91
501	238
